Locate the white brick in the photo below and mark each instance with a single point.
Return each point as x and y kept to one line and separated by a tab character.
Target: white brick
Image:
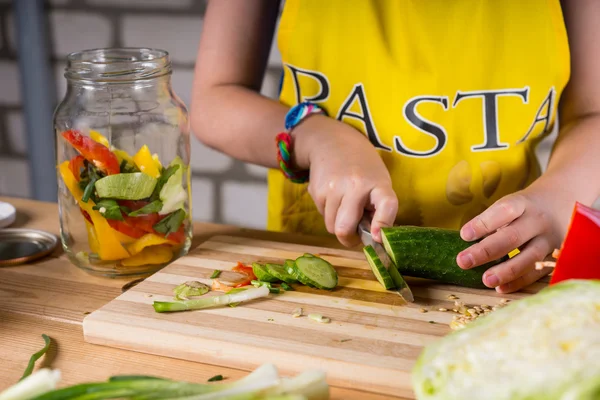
10	90
76	31
205	159
203	199
16	132
143	3
257	170
181	81
14	177
270	85
177	35
245	204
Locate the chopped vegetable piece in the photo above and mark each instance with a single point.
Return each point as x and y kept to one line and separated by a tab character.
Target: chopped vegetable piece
285	286
543	346
260	283
236	290
143	159
97	154
315	271
219	286
133	186
579	256
170	189
109	246
319	318
379	270
76	165
149	208
126	229
109	209
99	138
36	356
92	239
149	256
279	272
297	313
190	289
214	301
215	274
248	271
261	273
34	386
216	378
171	223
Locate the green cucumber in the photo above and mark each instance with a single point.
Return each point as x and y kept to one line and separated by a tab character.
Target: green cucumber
262	274
315	272
278	271
431	253
380	272
133	186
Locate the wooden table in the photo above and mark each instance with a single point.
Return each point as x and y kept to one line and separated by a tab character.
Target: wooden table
52	296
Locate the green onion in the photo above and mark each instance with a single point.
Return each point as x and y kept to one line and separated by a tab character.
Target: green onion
214	301
261	283
190	289
215	274
274	290
216	378
285	286
88	190
36	356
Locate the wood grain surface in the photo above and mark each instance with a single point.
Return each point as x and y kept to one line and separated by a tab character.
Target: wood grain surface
52	296
371	343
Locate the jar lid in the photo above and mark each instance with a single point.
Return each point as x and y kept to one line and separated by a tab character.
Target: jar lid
8	214
19	246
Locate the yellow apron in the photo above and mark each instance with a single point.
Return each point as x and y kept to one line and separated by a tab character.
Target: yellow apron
454	94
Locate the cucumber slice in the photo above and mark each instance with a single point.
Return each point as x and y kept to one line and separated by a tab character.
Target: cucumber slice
262	274
316	272
382	274
279	272
134	186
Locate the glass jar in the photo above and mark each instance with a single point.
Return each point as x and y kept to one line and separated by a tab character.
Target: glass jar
123	153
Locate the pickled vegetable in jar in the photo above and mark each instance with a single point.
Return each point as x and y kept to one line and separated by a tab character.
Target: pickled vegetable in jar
123	152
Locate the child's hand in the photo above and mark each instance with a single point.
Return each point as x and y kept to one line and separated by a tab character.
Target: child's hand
347	176
529	220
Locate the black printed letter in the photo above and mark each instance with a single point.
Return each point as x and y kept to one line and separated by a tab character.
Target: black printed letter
413	117
490	114
549	101
358	92
319	77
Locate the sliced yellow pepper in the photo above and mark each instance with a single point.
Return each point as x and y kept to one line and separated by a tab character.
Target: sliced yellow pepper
149	239
143	159
150	255
157	161
123	155
92	239
98	137
109	247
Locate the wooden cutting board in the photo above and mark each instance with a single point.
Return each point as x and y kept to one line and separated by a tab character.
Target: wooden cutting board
371	343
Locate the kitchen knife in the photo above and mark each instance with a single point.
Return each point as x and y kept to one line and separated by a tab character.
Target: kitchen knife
364	231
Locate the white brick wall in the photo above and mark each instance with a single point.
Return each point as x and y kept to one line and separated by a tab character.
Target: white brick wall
178	35
143	3
245	204
14	177
10	91
222	190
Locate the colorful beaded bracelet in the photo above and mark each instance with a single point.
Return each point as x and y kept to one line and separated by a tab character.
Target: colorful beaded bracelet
284	140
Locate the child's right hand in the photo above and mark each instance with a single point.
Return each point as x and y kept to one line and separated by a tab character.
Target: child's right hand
347	176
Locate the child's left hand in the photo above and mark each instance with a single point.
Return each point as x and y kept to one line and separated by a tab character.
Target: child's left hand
530	220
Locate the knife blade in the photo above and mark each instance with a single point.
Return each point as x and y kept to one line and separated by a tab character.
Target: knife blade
364	231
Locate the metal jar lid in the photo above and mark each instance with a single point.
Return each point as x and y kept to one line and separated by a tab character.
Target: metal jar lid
19	246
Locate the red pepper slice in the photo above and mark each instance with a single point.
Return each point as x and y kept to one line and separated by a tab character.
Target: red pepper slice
94	152
86	215
126	229
76	165
246	270
579	256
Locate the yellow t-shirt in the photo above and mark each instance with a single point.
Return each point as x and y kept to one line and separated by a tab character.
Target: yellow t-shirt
455	95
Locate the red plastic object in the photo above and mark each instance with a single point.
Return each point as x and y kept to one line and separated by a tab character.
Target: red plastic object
580	252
